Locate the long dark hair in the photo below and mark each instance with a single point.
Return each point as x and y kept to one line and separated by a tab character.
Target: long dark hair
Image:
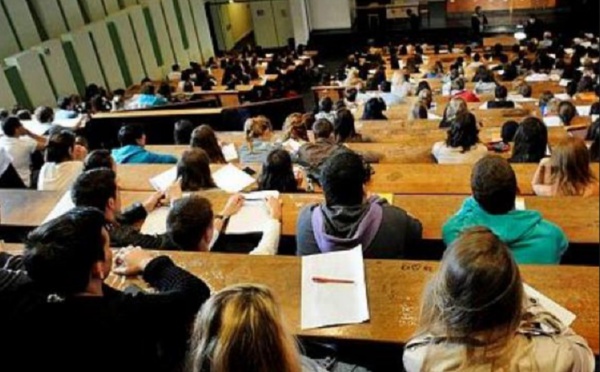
531	141
343	126
593	135
194	170
278	173
374	109
463	133
203	137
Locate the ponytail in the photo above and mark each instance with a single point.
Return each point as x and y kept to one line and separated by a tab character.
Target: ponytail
256	127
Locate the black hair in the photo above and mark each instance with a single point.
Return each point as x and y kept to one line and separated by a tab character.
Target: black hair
531	141
94	188
44	114
342	178
64	102
10	125
373	109
188	220
343	126
508	131
566	112
98	159
129	134
278	173
148	89
423	84
463	133
385	86
501	92
182	132
351	94
60	253
323	128
326	104
59	146
194	170
494	185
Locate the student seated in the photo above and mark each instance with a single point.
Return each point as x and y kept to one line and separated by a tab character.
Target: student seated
566	112
68	309
259	133
500	101
420	109
148	98
203	137
192	226
567	172
133	140
242	327
507	133
531	239
457	107
531	141
20	144
476	316
462	144
312	155
62	165
294	128
459	91
66	109
182	132
373	109
385	93
278	173
193	168
348	217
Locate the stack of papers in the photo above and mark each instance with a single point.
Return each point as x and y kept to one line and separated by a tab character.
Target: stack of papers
232	179
253	215
333	289
156	222
164	180
564	315
64	205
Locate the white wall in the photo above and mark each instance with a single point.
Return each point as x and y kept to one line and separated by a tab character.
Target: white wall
50	16
8	42
300	21
54	57
7	99
19	13
73	14
95	9
193	51
88	61
130	48
107	56
147	52
34	77
175	32
329	14
202	28
283	21
265	32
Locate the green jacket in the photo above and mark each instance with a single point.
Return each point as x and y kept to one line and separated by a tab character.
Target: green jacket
532	239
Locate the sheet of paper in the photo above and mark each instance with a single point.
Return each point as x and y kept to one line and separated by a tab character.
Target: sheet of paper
552	121
35	127
229	152
64	205
253	215
68	123
156	222
562	96
330	303
164	180
564	82
564	315
584	110
232	179
292	144
520	204
431	116
520	98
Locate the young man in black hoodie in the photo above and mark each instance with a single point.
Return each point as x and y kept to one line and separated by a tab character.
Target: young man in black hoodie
66	319
348	218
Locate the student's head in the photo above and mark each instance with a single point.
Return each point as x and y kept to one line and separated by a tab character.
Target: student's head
566	112
44	114
463	133
97	188
458	84
350	94
194	169
478	9
175	67
423	84
24	115
525	90
65	254
456	107
278	173
258	127
545	98
294	127
203	137
148	89
326	104
385	86
99	159
343	177
531	141
241	328
374	109
322	128
343	126
190	223
132	135
501	92
60	146
425	97
476	291
183	132
476	57
12	127
571	171
65	103
508	131
494	185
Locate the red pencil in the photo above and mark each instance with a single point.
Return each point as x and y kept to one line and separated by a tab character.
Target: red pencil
321	280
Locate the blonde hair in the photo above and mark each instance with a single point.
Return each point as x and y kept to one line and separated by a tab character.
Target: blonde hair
255	128
241	328
456	107
294	127
571	172
475	299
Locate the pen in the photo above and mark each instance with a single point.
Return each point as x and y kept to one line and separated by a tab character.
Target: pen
322	280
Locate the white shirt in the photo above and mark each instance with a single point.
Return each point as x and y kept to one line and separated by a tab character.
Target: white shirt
20	149
454	155
5	160
59	177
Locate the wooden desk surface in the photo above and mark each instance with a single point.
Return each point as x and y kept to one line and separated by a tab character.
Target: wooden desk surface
158	113
580	221
26	207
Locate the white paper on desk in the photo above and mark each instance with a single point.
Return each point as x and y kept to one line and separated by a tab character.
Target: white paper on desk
552	121
564	315
519	98
520	204
562	96
35	127
431	116
292	144
326	304
232	179
68	123
253	216
584	110
156	222
64	205
569	50
164	180
229	152
564	82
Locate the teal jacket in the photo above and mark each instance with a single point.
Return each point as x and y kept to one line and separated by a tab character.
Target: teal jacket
131	154
532	239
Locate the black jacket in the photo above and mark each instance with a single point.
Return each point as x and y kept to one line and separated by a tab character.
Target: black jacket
123	232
